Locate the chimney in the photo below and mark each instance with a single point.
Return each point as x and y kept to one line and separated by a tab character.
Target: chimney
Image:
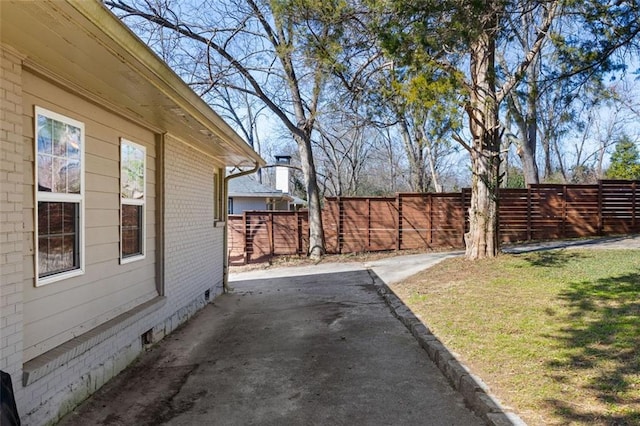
282	172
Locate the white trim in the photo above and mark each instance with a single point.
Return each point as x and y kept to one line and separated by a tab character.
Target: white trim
135	202
58	197
131	259
58	117
58	277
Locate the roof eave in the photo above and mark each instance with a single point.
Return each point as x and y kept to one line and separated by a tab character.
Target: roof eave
174	108
164	78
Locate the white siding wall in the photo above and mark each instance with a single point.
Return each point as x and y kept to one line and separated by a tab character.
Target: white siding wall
241	204
34	320
59	311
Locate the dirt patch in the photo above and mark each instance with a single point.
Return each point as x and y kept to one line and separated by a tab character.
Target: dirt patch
287	261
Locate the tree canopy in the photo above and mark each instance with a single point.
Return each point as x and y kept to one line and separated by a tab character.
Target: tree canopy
373	92
625	160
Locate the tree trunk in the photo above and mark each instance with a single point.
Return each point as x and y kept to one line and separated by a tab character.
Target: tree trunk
316	232
601	153
435	179
530	132
414	155
561	167
527	154
546	147
482	238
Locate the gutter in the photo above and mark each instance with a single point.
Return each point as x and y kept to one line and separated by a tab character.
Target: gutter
225	197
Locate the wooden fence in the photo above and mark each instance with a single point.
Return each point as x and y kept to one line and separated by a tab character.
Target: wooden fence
431	220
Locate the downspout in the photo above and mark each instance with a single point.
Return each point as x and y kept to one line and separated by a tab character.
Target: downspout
225	199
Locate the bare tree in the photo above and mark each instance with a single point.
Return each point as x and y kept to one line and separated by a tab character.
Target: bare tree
522	105
243	112
387	172
273	51
600	133
343	147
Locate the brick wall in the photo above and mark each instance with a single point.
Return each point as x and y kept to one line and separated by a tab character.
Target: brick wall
189	225
11	219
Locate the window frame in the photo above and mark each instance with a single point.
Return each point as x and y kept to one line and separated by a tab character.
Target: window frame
229	205
59	197
134	202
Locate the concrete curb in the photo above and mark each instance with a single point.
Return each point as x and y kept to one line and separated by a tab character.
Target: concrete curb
474	391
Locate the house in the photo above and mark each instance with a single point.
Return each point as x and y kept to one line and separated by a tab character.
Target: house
112	201
246	193
282	167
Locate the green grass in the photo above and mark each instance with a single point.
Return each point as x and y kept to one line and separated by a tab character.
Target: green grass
555	334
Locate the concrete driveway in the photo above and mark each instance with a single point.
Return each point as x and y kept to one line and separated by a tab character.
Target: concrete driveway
301	346
622	242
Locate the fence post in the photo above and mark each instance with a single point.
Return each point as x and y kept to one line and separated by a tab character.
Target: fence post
600	200
298	233
633	206
430	195
368	224
564	211
529	231
464	215
270	232
245	253
339	236
399	233
500	222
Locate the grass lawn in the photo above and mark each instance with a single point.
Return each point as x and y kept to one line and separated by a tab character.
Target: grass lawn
555	334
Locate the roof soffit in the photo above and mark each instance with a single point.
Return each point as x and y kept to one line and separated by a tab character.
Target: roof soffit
106	62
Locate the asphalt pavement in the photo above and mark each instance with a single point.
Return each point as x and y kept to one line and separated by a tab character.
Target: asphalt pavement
311	345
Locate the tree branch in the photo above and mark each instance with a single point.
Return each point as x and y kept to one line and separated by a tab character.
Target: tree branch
461	141
232	60
535	49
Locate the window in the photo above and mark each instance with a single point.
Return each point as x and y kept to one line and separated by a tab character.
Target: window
132	201
59	175
230	206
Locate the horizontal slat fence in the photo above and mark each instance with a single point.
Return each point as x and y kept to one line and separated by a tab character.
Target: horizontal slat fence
435	221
